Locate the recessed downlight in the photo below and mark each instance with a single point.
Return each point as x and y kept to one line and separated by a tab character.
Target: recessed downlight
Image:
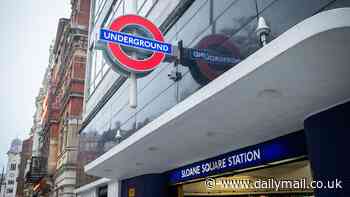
270	93
152	148
139	164
210	133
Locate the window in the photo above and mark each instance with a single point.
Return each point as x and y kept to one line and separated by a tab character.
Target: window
144	6
10	182
61	140
97	65
13	166
66	137
97	6
9	190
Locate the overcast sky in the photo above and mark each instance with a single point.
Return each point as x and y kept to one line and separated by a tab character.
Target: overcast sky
27	28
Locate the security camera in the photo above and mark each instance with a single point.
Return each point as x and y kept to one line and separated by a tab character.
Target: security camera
118	136
262	31
175	75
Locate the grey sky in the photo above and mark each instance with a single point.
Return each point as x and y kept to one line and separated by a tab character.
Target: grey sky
26	30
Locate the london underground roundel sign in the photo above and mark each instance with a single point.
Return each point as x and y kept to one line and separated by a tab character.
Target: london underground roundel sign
133	44
212	56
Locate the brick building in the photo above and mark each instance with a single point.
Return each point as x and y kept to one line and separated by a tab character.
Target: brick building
68	74
54	171
23	189
43	124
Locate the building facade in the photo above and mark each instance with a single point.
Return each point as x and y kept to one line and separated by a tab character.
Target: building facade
36	168
69	73
53	168
45	131
23	189
37	129
12	169
2	182
253	119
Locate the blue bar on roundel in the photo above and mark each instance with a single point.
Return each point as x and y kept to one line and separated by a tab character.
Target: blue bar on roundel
134	41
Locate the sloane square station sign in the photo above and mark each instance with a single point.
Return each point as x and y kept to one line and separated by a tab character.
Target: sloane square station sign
286	147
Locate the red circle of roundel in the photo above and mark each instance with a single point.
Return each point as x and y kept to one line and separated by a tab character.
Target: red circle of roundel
205	44
129	63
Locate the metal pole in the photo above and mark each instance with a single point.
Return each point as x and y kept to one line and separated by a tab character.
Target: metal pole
132	90
132	77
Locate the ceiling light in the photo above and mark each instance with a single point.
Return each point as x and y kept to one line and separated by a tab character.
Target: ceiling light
269	93
152	148
211	134
139	164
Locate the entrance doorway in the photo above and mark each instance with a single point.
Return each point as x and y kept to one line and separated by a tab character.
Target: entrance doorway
256	183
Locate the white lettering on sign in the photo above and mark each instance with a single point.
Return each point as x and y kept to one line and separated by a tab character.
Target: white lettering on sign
134	41
222	163
207	56
190	171
244	157
214	165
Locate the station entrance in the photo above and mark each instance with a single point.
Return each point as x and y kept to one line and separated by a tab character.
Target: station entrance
290	179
